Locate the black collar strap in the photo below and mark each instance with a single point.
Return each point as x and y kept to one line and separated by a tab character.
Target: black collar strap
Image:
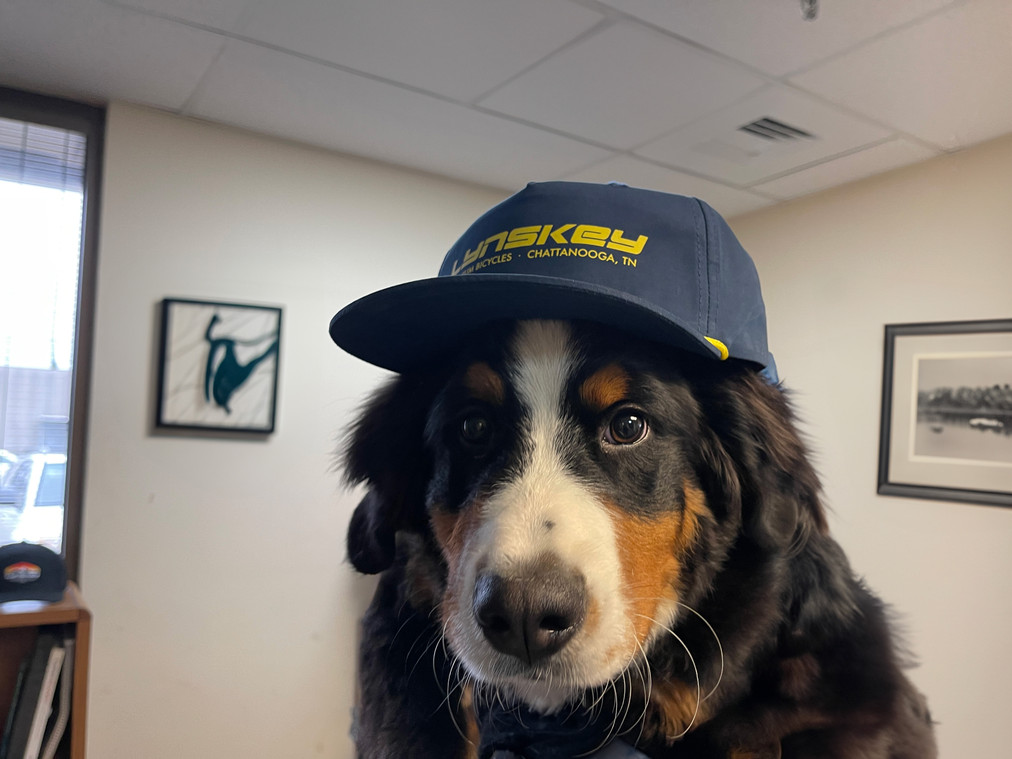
519	733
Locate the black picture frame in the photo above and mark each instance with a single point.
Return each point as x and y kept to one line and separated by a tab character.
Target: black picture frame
218	366
946	422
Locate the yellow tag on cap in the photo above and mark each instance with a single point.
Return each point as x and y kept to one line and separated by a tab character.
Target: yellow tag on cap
724	353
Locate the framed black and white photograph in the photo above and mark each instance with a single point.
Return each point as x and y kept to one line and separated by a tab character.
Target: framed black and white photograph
947	412
218	366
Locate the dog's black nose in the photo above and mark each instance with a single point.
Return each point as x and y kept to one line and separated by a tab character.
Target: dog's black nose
533	613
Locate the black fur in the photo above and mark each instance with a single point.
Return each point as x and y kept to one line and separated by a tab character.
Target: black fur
810	666
404	669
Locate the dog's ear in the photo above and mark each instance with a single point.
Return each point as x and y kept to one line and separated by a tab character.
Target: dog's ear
385	451
761	461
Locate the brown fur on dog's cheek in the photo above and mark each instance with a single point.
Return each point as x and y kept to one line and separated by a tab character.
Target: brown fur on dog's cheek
651	551
605	387
649	563
451	530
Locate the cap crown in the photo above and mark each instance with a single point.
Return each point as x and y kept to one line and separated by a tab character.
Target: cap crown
672	252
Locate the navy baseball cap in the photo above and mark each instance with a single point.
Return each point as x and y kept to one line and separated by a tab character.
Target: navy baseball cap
663	267
30	572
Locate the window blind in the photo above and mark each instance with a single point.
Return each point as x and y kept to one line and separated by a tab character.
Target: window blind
41	155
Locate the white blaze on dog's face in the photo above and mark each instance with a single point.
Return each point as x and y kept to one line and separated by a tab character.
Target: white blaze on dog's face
561	522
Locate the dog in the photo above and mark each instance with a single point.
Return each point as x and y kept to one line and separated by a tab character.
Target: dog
588	538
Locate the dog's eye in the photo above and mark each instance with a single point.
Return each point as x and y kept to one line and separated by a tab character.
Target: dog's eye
475	429
628	426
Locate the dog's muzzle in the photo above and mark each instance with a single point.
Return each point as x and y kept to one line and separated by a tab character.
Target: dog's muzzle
533	611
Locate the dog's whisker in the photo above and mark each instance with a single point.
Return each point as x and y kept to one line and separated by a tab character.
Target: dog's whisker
499	698
435	670
441	643
407	656
608	733
720	648
646	677
450	710
640	665
400	629
619	714
695	669
705	621
433	642
626	726
600	699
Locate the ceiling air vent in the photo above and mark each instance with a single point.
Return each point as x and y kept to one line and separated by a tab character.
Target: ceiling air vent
777	131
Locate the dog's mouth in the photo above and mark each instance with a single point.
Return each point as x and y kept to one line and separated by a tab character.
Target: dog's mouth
547	688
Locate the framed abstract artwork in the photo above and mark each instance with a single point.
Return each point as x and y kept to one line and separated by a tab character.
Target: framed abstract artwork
946	429
218	366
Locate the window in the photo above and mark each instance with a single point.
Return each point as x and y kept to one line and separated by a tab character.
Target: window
49	179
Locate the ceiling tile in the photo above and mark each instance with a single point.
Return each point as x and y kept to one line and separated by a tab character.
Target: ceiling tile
927	80
774	37
623	86
718	147
95	51
896	77
632	171
218	14
457	48
864	163
275	93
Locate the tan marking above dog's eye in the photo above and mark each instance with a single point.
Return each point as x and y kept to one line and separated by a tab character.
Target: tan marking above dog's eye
485	384
605	387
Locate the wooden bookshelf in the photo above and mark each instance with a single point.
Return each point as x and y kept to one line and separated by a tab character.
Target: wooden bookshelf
19	628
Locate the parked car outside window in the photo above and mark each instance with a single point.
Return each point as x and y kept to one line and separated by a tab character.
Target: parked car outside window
41	518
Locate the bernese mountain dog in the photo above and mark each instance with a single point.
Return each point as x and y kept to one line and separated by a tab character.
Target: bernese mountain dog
591	543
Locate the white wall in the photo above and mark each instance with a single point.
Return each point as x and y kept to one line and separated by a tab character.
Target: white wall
929	243
224	614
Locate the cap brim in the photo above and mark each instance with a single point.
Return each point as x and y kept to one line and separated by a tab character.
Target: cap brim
45	596
401	326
